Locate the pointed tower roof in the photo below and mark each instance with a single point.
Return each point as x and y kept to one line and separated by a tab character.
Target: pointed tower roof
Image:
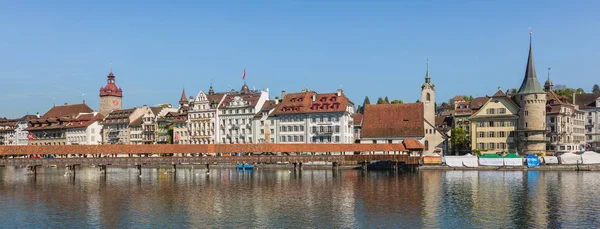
530	85
183	99
427	83
211	91
548	85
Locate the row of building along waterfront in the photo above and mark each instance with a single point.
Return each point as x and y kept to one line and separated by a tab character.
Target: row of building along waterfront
533	119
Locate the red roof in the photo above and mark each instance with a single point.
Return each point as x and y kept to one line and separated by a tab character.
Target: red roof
111	88
393	121
358	118
302	102
69	111
586	100
412	144
251	98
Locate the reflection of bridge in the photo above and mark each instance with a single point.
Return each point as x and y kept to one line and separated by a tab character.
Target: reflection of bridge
253	153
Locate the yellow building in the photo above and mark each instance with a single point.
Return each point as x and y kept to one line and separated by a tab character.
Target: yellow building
493	125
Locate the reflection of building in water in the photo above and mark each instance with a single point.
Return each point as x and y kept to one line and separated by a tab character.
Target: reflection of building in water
496	198
432	197
537	197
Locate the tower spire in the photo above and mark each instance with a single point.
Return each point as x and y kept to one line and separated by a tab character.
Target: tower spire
427	78
530	83
183	99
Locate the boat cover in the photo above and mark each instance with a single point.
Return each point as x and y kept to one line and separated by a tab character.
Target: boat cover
512	159
550	160
590	157
570	159
491	160
533	160
460	161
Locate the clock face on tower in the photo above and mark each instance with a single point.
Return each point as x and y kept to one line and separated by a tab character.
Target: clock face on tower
115	102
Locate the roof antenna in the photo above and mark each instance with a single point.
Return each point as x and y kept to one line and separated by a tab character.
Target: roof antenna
53	101
549	73
110	67
83	97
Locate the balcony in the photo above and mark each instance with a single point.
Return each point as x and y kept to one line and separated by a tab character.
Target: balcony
324	133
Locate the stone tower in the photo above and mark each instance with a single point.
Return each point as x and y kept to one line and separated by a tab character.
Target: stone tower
428	98
110	96
531	132
183	104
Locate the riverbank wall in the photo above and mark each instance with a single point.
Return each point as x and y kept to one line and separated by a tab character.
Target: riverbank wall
513	168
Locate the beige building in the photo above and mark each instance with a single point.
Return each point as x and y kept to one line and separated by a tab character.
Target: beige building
116	126
564	123
202	119
493	126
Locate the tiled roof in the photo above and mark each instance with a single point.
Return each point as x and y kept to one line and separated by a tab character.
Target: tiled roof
499	93
412	144
478	102
67	111
156	110
251	98
267	107
84	120
393	120
530	82
358	118
586	100
137	121
302	103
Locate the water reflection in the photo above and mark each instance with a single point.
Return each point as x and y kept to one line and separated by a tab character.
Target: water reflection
191	197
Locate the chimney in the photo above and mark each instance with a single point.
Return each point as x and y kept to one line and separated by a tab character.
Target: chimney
574	98
66	104
282	94
37	114
84	101
276	100
339	92
314	97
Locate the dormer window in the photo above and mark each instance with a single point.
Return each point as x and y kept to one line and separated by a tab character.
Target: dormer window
300	100
315	107
325	106
333	99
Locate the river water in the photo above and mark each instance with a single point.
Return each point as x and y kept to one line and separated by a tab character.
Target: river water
191	198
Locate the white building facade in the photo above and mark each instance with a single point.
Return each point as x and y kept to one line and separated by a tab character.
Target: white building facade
202	118
235	115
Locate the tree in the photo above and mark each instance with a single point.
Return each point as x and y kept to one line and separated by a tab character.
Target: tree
359	109
386	100
380	100
458	139
596	89
365	103
397	101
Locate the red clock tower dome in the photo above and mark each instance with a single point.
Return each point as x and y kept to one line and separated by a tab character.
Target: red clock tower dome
110	96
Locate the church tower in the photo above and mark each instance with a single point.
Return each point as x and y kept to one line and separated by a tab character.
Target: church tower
531	132
428	98
110	96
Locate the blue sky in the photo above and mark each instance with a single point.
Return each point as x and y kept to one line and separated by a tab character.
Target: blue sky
59	50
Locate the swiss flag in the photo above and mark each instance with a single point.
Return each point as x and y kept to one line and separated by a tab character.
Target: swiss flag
244	75
30	136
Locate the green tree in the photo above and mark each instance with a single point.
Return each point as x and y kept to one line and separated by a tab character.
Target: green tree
596	89
458	139
380	100
386	100
397	101
365	103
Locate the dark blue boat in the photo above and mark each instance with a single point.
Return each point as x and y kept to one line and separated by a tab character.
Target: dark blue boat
245	166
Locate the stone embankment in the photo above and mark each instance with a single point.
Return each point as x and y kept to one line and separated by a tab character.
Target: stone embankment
512	168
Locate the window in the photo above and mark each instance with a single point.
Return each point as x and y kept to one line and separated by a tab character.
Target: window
337	138
272	131
491	145
337	129
301	138
491	124
501	123
481	134
526	113
502	111
321	119
262	131
481	145
296	128
525	124
426	144
301	128
511	134
501	146
282	138
262	123
321	129
428	97
491	134
314	129
512	123
481	124
490	111
330	129
501	134
337	119
283	129
314	119
295	138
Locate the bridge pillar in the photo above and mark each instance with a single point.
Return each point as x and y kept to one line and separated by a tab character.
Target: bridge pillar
207	168
72	169
334	165
103	169
174	168
139	169
300	166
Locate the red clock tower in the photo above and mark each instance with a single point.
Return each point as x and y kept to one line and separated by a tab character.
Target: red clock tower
110	96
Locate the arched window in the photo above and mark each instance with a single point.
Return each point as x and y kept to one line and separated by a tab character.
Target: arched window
428	98
426	145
